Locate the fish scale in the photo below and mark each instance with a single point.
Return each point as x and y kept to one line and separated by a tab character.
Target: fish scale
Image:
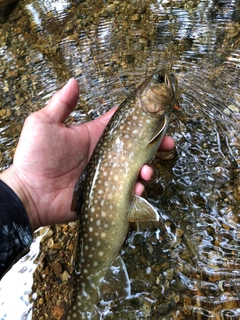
129	141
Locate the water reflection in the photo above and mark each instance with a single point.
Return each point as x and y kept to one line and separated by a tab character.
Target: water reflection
40	9
188	265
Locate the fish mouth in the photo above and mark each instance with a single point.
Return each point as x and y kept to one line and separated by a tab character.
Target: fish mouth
173	84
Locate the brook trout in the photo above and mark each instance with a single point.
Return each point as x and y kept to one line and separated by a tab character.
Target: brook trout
106	201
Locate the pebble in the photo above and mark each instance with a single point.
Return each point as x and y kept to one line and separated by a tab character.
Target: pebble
6	113
57	312
57	267
231	108
136	17
65	276
50	243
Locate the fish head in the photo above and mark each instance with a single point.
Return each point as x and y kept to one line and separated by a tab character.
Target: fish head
158	94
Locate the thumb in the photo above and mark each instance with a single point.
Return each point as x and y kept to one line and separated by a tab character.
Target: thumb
63	102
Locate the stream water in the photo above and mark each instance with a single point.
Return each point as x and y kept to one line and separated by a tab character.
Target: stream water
188	265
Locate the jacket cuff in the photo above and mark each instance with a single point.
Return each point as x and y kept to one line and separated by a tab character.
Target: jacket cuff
15	230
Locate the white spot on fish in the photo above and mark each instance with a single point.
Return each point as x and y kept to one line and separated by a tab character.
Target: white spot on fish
109	196
90	229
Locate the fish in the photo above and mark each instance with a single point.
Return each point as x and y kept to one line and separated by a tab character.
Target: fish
104	194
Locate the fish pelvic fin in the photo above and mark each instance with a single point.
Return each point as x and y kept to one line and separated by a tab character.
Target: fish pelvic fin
142	210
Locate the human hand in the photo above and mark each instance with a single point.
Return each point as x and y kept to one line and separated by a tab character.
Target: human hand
50	156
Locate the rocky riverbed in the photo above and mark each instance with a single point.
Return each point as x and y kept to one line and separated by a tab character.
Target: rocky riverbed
110	47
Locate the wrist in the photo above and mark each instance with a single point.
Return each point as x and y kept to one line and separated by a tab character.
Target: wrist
11	178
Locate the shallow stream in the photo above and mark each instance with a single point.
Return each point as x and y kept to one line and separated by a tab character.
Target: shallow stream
188	265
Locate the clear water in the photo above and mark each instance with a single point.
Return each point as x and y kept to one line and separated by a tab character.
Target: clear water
187	267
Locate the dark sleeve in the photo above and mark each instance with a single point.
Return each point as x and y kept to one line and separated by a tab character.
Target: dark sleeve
15	230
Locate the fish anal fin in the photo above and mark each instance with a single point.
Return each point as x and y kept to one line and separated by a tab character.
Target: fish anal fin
110	278
142	210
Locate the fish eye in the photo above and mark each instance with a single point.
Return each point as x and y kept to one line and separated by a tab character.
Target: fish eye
160	78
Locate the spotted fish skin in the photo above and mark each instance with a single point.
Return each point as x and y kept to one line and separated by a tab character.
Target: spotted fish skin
129	141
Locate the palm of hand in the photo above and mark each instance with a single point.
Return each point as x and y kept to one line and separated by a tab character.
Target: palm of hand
48	160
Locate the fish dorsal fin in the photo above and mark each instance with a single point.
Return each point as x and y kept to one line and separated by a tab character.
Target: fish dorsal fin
142	210
160	129
77	199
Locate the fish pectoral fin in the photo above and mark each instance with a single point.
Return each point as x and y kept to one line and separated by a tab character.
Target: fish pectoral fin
142	210
77	199
160	129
